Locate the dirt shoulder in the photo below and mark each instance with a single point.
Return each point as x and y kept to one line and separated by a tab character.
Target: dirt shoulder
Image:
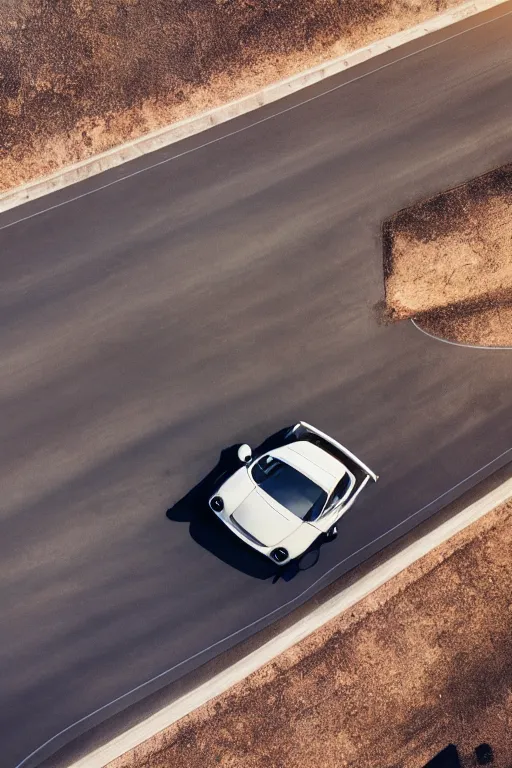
448	262
78	77
424	661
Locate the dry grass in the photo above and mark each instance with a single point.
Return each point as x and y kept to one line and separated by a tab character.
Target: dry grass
489	326
424	661
448	262
78	77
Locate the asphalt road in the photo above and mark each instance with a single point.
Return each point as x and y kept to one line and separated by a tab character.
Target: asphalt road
211	300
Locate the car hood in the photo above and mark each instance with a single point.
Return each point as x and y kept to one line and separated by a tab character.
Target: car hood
261	519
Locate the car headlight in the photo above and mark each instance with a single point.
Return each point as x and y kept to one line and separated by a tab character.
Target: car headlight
217	504
280	554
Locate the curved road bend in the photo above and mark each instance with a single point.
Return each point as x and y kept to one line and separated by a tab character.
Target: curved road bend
210	300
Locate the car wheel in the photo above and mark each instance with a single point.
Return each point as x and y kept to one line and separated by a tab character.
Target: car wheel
332	533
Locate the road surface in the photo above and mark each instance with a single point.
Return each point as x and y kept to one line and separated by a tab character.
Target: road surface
209	300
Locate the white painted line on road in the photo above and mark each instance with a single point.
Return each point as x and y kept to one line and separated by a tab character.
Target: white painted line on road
456	343
194	125
484	505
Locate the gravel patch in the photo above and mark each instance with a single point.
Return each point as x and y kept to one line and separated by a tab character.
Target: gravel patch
448	262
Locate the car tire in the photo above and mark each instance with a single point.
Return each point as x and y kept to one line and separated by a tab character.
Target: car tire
332	533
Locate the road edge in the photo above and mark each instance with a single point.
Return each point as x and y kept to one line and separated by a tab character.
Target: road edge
191	126
316	618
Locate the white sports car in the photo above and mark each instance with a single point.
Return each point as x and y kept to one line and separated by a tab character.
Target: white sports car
280	502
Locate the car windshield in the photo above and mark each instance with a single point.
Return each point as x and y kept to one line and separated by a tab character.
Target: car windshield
289	487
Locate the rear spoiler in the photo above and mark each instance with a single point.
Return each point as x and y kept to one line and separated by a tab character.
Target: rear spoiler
308	428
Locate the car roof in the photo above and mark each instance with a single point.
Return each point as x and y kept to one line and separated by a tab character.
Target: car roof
312	461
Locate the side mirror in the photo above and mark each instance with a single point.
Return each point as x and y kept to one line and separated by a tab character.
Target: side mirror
245	453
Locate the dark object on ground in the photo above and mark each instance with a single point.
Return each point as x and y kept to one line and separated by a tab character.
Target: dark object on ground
448	758
484	754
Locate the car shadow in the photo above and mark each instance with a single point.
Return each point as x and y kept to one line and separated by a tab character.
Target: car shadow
207	531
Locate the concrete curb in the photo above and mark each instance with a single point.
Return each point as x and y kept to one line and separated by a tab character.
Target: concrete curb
191	126
342	601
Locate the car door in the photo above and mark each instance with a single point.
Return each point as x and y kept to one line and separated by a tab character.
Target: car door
336	505
330	516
